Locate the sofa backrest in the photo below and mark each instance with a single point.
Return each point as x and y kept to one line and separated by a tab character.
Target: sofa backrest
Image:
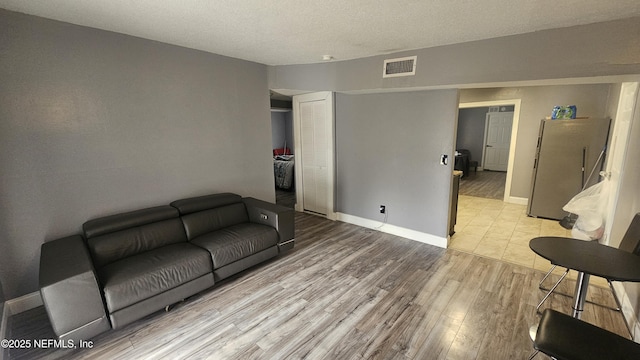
115	237
204	214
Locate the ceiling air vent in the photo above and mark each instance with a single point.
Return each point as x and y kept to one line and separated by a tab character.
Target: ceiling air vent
405	66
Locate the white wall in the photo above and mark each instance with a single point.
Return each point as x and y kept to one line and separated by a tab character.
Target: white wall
629	202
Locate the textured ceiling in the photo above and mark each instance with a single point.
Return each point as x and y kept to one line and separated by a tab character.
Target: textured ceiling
278	32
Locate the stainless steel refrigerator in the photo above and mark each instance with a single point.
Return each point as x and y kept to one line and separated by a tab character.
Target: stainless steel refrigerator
567	152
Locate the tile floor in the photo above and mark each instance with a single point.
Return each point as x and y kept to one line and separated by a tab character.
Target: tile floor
499	230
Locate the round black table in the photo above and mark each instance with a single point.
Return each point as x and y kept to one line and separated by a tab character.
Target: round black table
587	258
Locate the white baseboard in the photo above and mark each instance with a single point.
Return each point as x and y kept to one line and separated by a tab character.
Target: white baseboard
630	315
24	303
16	306
394	230
516	200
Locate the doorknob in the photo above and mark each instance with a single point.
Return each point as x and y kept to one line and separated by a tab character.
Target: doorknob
489	145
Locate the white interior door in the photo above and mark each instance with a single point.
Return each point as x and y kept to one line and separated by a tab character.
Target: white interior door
313	123
314	155
498	139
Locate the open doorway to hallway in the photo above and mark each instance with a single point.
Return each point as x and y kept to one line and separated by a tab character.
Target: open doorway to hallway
483	145
501	230
283	149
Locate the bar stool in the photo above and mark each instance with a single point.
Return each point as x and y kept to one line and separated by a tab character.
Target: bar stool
630	243
566	338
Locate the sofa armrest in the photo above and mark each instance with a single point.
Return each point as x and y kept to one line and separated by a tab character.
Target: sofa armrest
279	217
70	290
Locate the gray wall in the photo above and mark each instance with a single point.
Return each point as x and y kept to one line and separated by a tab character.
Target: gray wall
288	129
536	103
471	131
277	129
601	49
93	123
388	149
2	300
282	129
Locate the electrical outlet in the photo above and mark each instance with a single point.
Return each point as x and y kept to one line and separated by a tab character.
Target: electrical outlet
383	209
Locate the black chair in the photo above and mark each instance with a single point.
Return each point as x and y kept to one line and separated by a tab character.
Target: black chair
566	338
472	163
462	164
630	243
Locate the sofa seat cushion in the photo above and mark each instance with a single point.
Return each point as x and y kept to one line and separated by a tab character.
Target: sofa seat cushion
236	242
147	274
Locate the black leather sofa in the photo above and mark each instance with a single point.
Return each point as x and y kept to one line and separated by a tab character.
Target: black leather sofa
129	265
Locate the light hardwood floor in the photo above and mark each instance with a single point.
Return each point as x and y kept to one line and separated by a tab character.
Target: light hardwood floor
485	184
344	292
286	197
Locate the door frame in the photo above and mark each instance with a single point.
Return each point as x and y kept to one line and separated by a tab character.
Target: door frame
297	136
512	145
617	151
